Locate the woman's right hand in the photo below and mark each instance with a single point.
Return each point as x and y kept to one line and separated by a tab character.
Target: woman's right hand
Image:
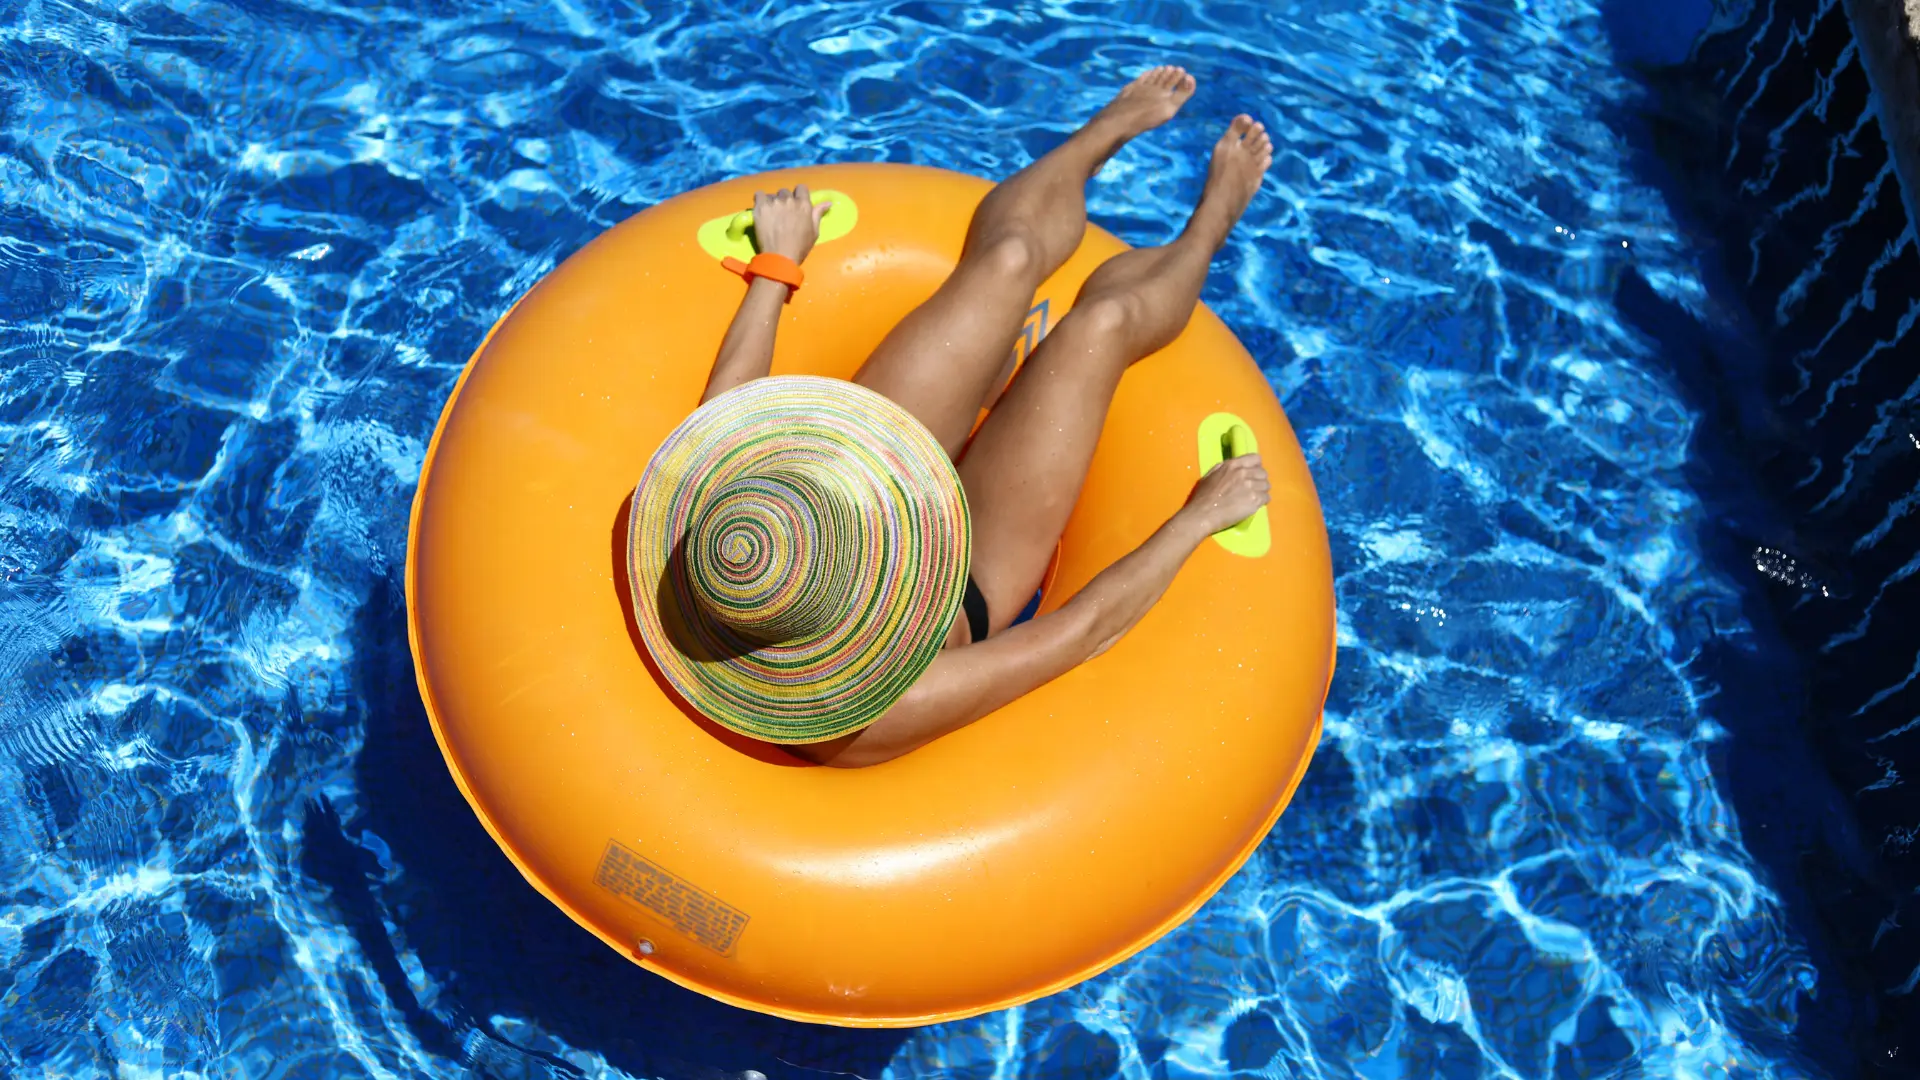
786	222
1229	494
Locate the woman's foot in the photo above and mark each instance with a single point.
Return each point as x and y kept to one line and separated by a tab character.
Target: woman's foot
1141	105
1148	101
1240	158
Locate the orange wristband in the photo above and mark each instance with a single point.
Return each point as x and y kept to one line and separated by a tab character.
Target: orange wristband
770	266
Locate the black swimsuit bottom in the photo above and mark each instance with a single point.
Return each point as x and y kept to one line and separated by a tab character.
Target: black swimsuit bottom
974	602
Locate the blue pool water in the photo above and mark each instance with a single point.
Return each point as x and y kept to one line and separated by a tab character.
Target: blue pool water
246	247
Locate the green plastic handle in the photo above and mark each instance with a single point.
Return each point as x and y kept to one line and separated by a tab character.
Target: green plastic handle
1222	436
726	237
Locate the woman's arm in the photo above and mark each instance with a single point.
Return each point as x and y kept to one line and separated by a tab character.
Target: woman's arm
962	685
746	353
786	223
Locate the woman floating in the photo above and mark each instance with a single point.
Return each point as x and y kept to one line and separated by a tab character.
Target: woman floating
837	566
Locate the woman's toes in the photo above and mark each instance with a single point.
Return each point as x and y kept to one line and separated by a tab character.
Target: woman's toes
1151	99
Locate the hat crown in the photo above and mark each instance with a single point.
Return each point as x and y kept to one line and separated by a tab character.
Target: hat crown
772	557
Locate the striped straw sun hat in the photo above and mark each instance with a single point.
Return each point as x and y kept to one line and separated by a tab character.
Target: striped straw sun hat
798	551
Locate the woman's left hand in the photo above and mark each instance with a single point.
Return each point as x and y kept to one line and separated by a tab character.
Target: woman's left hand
1229	493
786	222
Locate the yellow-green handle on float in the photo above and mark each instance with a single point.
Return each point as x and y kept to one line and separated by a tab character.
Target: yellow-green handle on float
1222	436
726	236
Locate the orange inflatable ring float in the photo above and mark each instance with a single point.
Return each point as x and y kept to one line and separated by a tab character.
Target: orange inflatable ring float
1013	858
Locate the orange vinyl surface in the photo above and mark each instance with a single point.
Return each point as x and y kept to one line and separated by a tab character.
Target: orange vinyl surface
1013	858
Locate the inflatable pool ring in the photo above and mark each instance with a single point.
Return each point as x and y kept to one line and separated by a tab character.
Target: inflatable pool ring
1010	859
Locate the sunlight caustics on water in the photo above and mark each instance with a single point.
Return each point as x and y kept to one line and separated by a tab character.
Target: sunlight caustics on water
246	247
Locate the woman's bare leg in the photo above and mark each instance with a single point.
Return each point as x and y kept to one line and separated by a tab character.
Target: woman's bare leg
1024	470
948	354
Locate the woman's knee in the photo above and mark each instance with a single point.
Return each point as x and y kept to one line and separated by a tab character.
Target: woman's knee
1010	255
1110	315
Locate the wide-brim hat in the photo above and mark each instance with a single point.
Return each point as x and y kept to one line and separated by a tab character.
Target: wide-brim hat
798	550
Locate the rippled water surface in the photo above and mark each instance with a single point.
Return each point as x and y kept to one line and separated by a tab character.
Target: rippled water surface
245	248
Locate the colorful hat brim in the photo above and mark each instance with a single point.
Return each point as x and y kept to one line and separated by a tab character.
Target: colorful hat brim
908	578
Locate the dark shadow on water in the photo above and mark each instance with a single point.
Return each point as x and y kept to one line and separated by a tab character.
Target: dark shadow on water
349	870
1795	820
493	945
